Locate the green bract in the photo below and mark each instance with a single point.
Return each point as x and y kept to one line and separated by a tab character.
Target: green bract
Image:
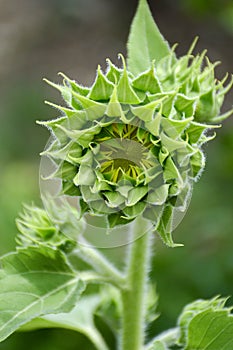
131	145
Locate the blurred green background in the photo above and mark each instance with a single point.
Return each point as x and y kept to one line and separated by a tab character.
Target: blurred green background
42	37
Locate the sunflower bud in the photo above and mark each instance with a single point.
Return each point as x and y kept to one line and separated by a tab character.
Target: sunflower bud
131	145
56	226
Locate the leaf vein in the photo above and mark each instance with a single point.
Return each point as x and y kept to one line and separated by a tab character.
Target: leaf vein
34	303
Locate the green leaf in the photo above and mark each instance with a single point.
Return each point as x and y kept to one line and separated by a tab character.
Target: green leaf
206	325
211	330
34	282
145	42
79	319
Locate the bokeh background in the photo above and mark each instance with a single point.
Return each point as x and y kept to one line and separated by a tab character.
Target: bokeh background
39	38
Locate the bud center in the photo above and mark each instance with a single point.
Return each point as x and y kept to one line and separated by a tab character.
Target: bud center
122	152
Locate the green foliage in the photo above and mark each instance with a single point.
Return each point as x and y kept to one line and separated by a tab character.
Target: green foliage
33	282
80	319
145	43
206	325
202	325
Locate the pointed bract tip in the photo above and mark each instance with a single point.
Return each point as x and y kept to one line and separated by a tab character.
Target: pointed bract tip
39	122
109	63
56	86
45	80
173	48
63	75
47	103
121	57
193	45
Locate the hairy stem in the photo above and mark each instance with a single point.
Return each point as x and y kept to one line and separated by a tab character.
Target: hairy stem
101	265
134	296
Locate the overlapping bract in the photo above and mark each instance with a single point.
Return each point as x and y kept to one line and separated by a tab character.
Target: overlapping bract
165	110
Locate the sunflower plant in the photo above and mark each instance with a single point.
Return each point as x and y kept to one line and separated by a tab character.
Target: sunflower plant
124	153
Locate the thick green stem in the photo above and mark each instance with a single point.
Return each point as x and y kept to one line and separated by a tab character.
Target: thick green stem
134	296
